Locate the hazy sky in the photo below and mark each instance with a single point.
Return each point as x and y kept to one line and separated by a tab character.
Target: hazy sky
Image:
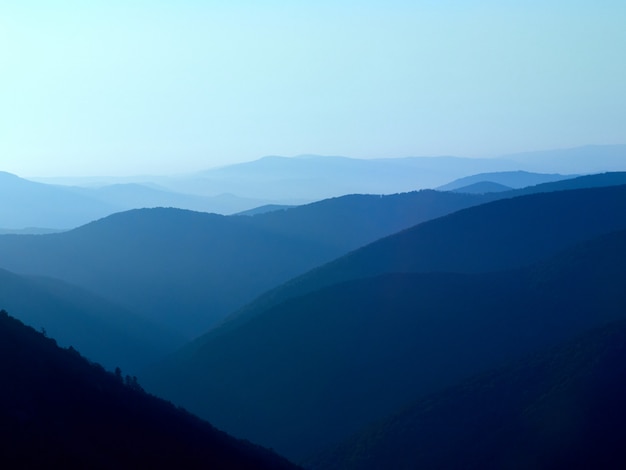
128	87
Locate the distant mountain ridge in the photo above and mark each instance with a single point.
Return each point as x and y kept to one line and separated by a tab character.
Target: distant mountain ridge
512	179
483	187
284	181
30	204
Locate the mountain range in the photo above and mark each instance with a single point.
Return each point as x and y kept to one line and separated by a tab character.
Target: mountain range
308	178
360	331
187	270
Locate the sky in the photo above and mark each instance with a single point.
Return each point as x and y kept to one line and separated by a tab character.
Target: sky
160	87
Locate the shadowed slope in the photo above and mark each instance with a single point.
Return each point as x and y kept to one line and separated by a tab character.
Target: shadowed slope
503	234
313	369
561	408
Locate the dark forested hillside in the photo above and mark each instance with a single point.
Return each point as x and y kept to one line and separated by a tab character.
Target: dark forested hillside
562	408
319	366
59	411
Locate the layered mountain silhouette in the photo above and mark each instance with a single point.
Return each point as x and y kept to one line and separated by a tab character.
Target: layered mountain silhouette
280	180
57	410
187	270
482	188
30	204
104	331
392	321
315	177
585	159
510	179
562	408
506	233
54	207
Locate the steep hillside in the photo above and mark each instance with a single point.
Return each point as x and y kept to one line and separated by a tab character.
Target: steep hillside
319	366
59	411
562	408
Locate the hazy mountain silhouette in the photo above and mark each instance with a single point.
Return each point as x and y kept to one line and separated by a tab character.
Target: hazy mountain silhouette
599	180
30	204
314	369
482	187
512	179
137	196
59	411
563	408
502	234
265	208
314	177
188	270
28	231
65	207
585	159
295	180
105	332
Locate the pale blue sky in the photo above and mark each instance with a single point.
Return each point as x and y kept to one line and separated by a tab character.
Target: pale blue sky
152	87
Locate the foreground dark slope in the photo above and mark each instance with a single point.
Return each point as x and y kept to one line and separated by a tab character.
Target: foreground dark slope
315	368
100	329
188	269
506	233
59	411
563	408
